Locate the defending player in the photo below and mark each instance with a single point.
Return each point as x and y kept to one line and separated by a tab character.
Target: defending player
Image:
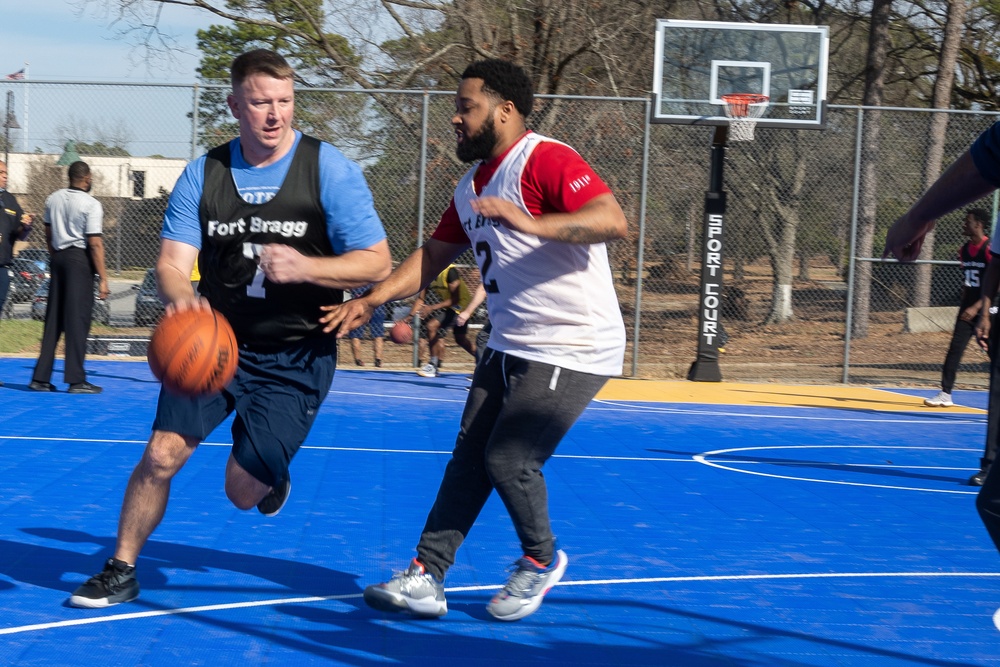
537	218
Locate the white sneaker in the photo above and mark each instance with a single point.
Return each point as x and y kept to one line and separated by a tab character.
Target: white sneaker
427	371
942	400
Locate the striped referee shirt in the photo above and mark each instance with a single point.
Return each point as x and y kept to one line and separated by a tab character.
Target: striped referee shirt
74	215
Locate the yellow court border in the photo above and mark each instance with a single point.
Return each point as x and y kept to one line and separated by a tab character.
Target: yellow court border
847	397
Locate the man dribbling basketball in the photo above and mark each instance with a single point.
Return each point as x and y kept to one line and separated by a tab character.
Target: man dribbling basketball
284	223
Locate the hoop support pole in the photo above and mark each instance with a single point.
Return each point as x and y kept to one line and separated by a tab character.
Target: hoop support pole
706	365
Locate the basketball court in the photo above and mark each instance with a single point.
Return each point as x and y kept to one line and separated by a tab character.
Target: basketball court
706	524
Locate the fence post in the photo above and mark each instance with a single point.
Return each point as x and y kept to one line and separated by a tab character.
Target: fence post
640	259
421	191
195	100
848	323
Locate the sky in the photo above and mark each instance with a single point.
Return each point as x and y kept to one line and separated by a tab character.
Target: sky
69	40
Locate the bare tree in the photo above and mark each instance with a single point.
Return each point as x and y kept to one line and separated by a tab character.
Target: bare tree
878	46
943	85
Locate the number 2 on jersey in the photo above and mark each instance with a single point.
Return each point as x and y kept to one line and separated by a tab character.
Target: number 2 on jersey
490	285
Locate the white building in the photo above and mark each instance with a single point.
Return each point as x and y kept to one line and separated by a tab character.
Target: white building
117	176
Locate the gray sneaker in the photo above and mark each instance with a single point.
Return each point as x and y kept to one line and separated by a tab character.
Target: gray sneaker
524	591
114	585
414	591
428	371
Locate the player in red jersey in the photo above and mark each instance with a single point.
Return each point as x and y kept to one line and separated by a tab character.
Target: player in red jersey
537	218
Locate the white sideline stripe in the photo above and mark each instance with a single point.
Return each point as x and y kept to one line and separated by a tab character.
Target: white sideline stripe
463	589
405	398
695	458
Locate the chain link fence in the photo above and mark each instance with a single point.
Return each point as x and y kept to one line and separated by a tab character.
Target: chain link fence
792	276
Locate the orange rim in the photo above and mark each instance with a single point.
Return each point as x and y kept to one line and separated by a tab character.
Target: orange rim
738	102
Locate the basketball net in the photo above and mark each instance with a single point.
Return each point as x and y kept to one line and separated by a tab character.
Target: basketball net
743	111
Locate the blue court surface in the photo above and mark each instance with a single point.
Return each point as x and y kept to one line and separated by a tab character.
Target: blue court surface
771	532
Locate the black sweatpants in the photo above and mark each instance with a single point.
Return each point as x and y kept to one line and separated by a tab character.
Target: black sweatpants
988	500
69	311
960	337
516	414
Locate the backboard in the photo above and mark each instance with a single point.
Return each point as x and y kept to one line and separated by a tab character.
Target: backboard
697	62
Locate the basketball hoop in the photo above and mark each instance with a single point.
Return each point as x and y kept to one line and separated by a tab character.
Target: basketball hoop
743	110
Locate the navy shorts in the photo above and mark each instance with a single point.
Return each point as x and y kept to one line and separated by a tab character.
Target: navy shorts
376	325
276	396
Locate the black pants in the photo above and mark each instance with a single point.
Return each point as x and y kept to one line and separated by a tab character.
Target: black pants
960	337
69	310
988	500
516	414
4	286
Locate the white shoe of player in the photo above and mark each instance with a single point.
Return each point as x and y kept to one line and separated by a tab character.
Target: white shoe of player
942	400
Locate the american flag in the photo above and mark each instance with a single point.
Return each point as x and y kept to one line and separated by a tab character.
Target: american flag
16	76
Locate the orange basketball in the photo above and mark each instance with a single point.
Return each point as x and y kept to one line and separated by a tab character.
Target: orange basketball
401	333
193	352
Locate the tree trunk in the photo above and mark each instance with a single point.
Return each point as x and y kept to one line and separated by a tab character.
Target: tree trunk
878	46
783	263
943	84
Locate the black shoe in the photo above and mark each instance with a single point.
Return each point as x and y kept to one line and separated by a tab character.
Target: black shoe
378	364
272	503
358	362
979	477
84	388
116	584
35	385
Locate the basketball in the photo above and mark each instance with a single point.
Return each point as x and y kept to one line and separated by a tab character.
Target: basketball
401	333
193	352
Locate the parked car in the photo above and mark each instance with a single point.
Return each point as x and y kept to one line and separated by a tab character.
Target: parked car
35	253
39	256
25	280
101	312
148	307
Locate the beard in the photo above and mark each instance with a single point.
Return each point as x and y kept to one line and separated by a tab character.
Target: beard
479	146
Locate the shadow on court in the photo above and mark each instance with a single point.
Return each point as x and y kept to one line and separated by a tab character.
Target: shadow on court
46	566
647	640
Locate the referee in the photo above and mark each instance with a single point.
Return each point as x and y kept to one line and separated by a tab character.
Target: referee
73	226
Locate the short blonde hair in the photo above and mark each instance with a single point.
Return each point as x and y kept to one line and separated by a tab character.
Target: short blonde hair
259	61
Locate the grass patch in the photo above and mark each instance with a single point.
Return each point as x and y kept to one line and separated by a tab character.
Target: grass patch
20	336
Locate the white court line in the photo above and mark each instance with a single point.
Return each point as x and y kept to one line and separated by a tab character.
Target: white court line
625	407
701	458
694	458
405	398
464	589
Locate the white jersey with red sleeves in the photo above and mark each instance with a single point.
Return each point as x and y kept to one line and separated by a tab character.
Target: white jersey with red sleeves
548	301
